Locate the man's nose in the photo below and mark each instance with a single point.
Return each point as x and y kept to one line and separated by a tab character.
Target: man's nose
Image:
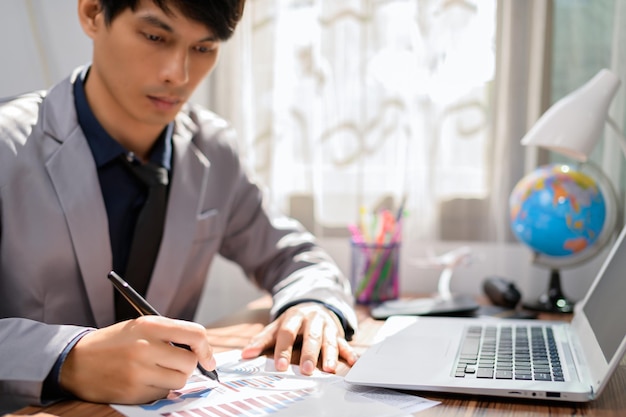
176	68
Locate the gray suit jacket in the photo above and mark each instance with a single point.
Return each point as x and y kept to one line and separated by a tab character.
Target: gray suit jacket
54	242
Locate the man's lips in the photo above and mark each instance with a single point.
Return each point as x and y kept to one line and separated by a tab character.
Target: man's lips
164	103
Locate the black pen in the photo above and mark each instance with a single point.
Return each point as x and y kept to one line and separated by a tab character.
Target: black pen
145	309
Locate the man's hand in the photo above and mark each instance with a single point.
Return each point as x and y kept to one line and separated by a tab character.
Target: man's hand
321	333
133	362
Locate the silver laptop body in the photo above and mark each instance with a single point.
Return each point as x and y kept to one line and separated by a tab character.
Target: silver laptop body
428	354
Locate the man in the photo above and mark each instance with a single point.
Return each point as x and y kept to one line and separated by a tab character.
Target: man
72	195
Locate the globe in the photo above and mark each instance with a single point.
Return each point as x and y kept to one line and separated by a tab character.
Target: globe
565	214
557	211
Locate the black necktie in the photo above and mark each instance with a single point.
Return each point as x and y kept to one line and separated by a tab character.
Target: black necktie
147	235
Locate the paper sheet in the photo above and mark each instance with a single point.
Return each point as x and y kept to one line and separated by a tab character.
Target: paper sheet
255	388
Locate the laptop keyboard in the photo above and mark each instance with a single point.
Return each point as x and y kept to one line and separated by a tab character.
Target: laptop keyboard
509	352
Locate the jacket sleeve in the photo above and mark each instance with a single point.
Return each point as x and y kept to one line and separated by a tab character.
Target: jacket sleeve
28	351
275	251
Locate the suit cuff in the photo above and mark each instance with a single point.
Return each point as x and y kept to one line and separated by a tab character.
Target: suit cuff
51	390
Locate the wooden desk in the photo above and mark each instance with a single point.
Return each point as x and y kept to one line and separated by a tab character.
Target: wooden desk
234	332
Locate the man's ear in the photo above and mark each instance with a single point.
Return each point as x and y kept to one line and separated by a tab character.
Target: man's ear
90	16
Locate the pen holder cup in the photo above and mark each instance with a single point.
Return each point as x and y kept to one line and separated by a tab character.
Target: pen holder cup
375	271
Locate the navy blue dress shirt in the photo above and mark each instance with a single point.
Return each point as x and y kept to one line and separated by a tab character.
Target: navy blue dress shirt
124	194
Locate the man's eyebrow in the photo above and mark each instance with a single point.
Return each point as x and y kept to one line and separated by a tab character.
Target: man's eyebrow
156	22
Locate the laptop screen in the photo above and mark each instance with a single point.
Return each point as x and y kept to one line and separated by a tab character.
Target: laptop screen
605	307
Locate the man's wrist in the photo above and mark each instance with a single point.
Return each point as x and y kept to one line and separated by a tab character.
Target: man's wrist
51	390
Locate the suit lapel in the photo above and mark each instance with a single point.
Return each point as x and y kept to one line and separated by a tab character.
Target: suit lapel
191	169
73	174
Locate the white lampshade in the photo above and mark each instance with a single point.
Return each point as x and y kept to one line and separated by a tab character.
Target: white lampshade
573	125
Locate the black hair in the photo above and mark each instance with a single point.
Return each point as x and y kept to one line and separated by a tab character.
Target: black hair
220	16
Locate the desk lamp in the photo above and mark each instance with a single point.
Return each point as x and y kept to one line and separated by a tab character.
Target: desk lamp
572	127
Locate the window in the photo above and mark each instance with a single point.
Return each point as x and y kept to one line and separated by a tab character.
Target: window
360	103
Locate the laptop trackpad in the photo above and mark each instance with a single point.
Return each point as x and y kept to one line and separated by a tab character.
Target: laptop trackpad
416	352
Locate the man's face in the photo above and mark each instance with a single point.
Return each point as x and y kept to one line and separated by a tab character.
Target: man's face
147	63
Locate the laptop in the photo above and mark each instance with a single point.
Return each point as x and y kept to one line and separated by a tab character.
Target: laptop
485	356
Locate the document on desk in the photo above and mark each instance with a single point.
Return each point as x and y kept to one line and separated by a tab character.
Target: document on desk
254	388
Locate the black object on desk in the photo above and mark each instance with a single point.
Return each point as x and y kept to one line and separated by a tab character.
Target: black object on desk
501	292
505	298
456	305
145	309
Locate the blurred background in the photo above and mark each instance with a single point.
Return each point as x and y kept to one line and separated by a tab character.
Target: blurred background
350	105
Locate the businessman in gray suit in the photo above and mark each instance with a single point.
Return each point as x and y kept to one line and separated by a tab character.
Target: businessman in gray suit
71	200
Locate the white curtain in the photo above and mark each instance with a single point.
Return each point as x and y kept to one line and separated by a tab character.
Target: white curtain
354	104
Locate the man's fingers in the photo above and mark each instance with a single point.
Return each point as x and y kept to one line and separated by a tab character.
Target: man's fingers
330	351
166	377
346	351
285	338
312	343
181	332
260	342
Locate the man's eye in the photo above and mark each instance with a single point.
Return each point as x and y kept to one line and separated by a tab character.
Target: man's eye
153	38
204	49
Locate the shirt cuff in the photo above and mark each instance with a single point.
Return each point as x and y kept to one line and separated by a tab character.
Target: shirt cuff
51	390
347	329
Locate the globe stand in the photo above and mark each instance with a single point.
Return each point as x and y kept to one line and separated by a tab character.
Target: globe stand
554	301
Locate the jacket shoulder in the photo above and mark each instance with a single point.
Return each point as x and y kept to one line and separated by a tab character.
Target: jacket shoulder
211	133
18	114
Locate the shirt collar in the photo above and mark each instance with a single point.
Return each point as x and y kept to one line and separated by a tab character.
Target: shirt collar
103	147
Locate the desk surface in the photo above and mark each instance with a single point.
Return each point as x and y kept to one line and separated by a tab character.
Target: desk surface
234	332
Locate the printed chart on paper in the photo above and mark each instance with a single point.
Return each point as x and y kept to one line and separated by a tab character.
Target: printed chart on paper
255	388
